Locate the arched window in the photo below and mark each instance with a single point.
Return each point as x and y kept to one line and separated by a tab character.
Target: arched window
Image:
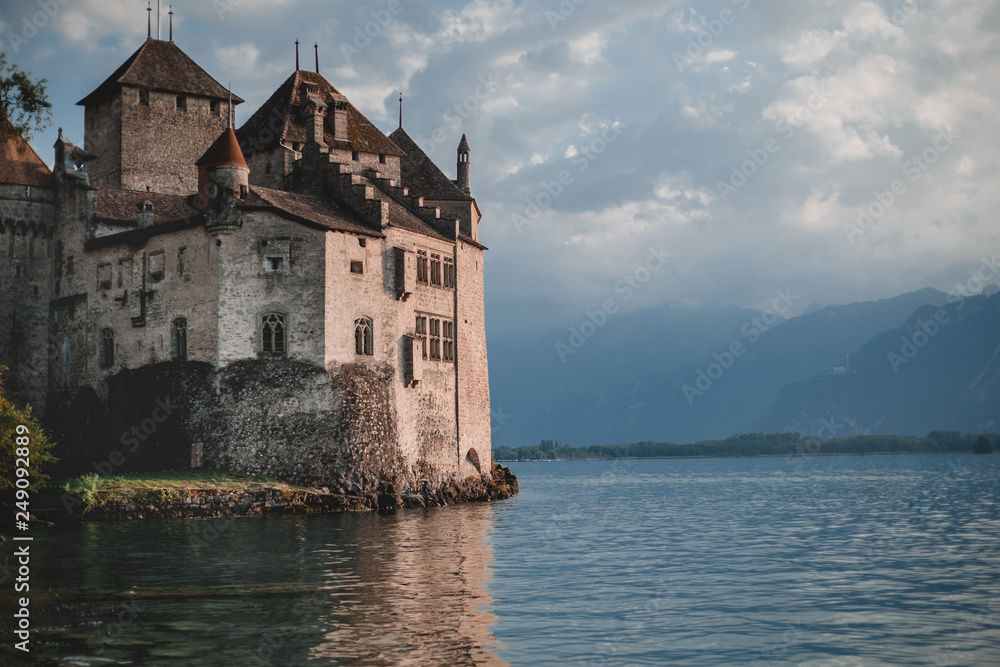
179	340
106	348
144	96
363	337
273	334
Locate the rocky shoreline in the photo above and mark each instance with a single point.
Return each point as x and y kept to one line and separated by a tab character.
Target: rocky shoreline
500	483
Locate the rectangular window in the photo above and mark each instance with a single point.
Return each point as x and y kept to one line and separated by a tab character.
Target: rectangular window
436	270
449	272
381	158
421	332
421	266
181	256
357	267
104	277
156	266
274	264
449	341
213	106
124	272
69	265
435	339
182	104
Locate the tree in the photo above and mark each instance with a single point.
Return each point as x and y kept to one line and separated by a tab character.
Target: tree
983	445
24	103
18	422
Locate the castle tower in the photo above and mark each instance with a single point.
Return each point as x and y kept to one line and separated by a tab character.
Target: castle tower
28	269
463	166
151	119
223	181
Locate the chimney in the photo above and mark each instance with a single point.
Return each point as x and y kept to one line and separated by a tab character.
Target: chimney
339	104
315	119
146	217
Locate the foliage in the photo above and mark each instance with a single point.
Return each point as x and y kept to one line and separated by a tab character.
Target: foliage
88	488
24	103
983	445
746	444
40	448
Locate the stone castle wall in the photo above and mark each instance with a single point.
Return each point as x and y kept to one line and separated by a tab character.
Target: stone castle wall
26	222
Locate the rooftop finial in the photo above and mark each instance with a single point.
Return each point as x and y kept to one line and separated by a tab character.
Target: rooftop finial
171	14
149	20
401	109
157	19
316	46
296	55
229	123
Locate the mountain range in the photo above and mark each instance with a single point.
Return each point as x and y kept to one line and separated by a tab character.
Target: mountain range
684	373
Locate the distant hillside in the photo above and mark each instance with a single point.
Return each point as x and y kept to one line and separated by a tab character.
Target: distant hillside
910	379
751	444
644	376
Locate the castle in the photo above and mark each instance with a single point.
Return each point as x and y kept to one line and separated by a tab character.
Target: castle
300	297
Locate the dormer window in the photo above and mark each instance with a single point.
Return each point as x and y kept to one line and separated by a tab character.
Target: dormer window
144	96
182	104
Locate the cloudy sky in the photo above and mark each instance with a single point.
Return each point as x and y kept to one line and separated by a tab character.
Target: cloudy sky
743	138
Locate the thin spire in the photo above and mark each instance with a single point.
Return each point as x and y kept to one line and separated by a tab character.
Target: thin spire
229	123
296	55
171	14
158	19
149	20
316	46
401	109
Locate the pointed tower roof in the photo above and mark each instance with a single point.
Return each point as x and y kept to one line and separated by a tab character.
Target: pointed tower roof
160	65
225	150
20	164
419	173
463	145
279	119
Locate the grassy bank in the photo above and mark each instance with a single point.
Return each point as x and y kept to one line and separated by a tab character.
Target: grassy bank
169	486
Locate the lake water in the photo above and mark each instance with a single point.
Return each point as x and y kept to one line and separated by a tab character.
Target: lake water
801	561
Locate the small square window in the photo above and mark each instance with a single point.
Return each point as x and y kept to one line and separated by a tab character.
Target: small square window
182	103
362	242
357	267
274	264
381	158
354	155
214	107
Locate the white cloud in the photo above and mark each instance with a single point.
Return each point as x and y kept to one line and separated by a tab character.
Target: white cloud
588	48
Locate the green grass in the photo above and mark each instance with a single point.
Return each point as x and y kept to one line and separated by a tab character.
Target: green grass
164	486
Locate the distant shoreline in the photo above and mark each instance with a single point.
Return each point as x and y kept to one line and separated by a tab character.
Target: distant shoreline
750	445
730	456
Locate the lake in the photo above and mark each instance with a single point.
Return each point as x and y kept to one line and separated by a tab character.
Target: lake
876	560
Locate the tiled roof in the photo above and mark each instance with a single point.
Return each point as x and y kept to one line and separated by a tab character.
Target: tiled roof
309	210
225	150
279	119
403	217
160	65
20	164
419	173
122	206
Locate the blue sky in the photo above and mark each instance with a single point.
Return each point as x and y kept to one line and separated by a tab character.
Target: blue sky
743	138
